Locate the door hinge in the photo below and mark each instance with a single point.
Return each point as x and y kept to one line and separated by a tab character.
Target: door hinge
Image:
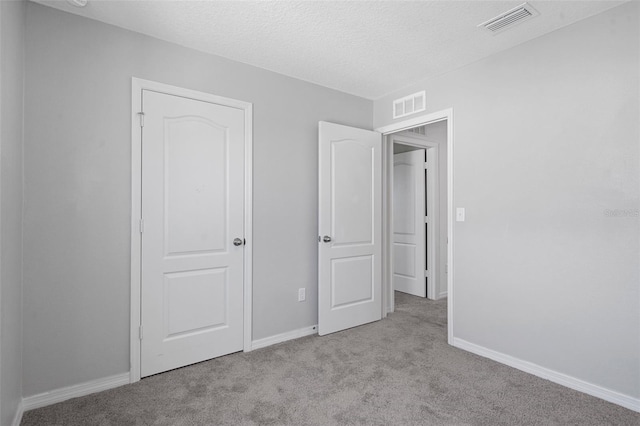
141	226
140	332
426	165
141	115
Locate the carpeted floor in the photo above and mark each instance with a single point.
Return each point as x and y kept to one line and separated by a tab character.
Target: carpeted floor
398	371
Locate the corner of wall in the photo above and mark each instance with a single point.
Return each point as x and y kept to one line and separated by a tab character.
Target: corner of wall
12	93
17	419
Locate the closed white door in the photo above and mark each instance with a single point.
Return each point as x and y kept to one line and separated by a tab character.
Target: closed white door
409	229
350	227
192	210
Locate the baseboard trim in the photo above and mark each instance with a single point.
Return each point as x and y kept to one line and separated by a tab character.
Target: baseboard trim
609	395
18	417
442	295
283	337
82	389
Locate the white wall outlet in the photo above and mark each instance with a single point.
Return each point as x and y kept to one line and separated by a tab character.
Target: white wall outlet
301	295
460	214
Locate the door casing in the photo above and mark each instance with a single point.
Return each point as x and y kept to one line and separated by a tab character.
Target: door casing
137	85
388	302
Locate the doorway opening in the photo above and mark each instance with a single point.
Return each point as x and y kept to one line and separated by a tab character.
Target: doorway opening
417	220
419	257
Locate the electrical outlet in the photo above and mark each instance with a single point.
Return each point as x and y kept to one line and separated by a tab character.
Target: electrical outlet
301	295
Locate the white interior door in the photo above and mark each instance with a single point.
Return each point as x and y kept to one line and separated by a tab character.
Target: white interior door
350	227
409	228
192	209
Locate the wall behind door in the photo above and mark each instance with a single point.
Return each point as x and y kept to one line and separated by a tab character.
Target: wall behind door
12	37
78	173
437	132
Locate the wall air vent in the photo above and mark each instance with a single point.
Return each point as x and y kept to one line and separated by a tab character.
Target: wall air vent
422	130
410	104
509	18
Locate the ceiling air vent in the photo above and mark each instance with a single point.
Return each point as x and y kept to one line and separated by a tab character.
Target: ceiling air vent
509	18
409	104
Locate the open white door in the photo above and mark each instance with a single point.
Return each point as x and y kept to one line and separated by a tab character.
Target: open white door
409	239
350	227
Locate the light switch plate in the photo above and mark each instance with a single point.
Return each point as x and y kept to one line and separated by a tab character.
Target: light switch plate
460	214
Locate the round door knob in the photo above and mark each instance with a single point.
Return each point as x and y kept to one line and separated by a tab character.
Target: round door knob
237	242
326	239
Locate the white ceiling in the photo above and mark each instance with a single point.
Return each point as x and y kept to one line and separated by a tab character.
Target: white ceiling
366	48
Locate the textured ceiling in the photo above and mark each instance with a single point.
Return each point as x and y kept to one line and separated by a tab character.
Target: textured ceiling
367	48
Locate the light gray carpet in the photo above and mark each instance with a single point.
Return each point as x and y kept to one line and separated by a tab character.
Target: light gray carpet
398	371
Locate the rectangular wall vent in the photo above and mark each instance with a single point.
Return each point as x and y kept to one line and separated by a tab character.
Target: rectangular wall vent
410	104
509	18
422	130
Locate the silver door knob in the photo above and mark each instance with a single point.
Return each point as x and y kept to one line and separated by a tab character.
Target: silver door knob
326	239
237	242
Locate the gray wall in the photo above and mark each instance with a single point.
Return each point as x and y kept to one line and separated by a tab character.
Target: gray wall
12	35
78	178
546	141
437	132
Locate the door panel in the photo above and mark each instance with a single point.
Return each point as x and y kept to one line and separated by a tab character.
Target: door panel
351	281
190	298
350	207
351	191
409	254
404	219
195	185
404	260
193	208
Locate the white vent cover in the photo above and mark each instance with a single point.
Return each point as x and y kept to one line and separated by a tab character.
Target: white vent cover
410	104
509	18
421	130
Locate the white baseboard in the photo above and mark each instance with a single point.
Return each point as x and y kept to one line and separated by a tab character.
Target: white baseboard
18	417
560	378
442	295
82	389
279	338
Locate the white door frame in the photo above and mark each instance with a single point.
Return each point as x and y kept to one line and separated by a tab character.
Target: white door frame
433	248
388	301
137	85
